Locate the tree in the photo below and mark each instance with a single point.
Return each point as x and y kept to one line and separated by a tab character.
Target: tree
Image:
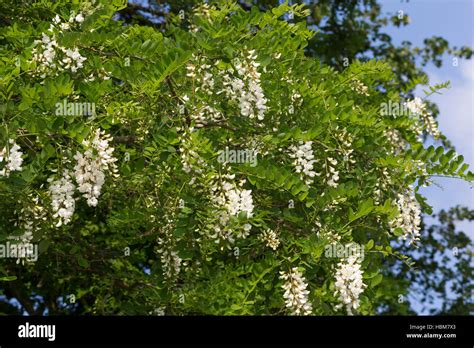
346	30
212	168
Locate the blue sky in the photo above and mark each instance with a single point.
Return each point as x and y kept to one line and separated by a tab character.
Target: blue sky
452	20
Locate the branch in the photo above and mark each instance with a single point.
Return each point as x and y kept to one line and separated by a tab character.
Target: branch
125	139
24	300
173	93
221	125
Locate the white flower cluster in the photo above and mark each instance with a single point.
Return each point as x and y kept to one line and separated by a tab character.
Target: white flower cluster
409	218
202	10
91	166
171	263
270	238
431	125
62	200
332	175
160	311
304	160
231	200
295	99
349	283
12	158
202	71
359	87
418	108
325	233
102	74
29	220
31	214
47	49
73	19
296	295
170	260
395	138
246	89
205	115
345	141
419	167
381	186
190	159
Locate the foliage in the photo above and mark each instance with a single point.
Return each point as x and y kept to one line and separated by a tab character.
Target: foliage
176	229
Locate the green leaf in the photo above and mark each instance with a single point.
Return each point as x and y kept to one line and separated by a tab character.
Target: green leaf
398	231
364	209
369	244
82	262
8	278
376	280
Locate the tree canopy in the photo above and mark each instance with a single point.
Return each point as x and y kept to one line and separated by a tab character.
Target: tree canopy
212	166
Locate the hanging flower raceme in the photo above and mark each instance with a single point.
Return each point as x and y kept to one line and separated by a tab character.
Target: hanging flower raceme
92	165
418	108
396	140
304	160
332	175
409	218
230	200
31	215
170	260
245	88
62	201
30	219
270	238
296	295
349	284
358	87
12	157
200	71
53	58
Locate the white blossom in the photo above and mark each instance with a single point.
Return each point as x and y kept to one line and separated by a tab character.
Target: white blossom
31	214
91	166
245	88
201	70
418	108
396	140
53	58
12	157
296	294
349	284
62	200
332	175
160	311
304	160
270	238
230	200
30	217
171	263
79	18
345	141
170	260
409	218
206	114
359	87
